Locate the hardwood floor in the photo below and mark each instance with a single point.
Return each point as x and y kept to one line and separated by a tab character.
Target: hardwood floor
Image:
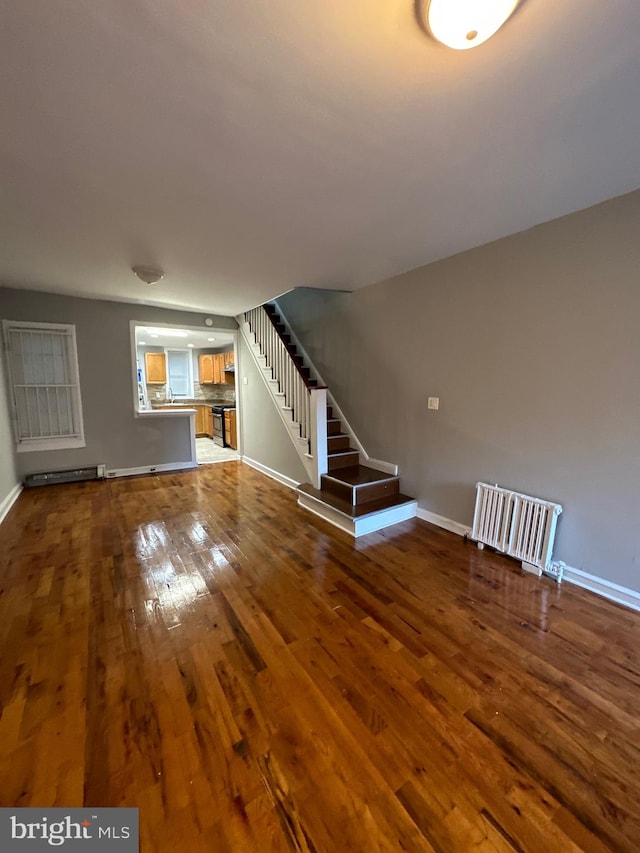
254	680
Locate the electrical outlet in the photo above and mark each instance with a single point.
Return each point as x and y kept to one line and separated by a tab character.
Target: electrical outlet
433	403
245	380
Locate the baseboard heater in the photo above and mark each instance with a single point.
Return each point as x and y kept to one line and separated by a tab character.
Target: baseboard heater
69	475
518	525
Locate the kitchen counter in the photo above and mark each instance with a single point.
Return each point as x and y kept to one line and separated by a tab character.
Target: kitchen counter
162	404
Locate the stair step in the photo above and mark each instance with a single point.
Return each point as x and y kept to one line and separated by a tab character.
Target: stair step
339	441
360	485
350	510
342	459
333	426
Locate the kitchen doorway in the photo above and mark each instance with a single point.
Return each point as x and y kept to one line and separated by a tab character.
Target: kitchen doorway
184	368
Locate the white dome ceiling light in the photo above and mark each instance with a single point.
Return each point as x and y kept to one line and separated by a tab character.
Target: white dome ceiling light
462	24
150	275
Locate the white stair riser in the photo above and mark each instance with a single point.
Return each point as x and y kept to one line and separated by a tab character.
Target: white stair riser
363	525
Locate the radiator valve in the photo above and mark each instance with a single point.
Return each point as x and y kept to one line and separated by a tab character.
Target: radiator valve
555	570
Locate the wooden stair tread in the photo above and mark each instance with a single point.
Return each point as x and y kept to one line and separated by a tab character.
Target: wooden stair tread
342	451
359	475
349	509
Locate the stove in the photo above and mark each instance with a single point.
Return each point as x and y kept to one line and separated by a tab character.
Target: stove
217	412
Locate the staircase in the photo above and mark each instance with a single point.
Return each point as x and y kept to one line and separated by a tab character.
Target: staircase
353	496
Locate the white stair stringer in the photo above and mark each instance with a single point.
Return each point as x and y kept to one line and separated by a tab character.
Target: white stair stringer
359	526
293	427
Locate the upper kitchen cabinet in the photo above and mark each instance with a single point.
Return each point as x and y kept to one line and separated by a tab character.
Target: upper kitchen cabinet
155	365
229	376
205	369
211	368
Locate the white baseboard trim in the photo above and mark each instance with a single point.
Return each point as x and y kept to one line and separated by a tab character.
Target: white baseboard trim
150	469
269	472
607	589
441	521
379	465
9	501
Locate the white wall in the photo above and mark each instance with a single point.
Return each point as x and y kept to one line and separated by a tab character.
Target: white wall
532	344
8	474
114	436
264	436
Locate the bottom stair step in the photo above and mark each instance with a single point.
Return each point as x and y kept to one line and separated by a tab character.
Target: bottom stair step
359	519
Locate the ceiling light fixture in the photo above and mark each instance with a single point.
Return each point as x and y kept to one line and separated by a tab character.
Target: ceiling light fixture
462	24
150	275
211	339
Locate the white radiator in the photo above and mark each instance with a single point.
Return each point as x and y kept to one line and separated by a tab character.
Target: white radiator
518	525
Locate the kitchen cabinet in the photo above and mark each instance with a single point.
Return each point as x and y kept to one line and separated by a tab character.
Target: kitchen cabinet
201	420
230	432
229	376
205	369
204	418
218	368
211	368
155	365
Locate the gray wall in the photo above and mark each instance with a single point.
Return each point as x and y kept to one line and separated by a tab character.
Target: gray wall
532	344
264	436
113	435
8	475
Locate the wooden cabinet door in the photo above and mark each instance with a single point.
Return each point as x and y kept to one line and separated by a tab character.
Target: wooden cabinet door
233	439
205	369
209	423
229	377
155	365
218	368
201	420
230	428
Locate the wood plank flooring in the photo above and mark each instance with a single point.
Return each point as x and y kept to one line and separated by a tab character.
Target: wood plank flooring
254	680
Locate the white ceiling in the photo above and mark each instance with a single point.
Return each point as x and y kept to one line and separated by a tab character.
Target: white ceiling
248	148
152	336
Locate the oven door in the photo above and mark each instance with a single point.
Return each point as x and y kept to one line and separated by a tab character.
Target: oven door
218	427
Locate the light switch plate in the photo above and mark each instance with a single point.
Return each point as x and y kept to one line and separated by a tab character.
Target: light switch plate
433	403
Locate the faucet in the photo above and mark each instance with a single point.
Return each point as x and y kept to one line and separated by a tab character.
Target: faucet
170	394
